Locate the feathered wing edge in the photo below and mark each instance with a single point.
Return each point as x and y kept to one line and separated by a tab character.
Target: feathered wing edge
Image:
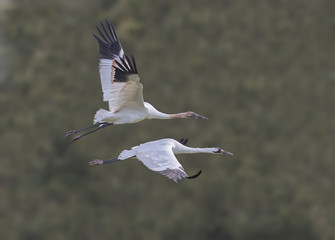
178	174
174	174
109	45
110	48
124	69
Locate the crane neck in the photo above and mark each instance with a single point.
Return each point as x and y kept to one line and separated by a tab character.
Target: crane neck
153	113
185	149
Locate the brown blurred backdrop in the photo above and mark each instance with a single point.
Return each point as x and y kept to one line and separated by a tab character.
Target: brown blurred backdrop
262	71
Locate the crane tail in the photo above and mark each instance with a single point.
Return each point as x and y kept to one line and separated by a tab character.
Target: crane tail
195	175
100	115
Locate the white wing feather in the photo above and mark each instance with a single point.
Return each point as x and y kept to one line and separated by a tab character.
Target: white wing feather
164	162
106	77
120	82
126	94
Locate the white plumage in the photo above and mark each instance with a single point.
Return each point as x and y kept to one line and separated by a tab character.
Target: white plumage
121	88
159	156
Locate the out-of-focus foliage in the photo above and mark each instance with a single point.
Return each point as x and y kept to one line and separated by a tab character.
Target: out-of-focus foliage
262	71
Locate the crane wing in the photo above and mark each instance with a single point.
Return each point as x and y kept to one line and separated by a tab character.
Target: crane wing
163	162
120	82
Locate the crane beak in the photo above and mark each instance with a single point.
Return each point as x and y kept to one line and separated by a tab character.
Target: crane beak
201	117
225	152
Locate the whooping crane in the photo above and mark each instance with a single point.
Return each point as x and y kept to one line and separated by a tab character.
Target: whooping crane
121	88
159	156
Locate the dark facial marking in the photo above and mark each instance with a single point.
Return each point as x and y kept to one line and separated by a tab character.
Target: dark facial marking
219	150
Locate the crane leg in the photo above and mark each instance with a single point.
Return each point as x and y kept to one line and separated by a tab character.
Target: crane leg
100	126
71	132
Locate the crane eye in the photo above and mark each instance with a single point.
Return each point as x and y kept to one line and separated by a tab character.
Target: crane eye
192	115
219	150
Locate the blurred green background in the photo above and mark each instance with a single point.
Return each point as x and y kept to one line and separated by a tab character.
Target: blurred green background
262	71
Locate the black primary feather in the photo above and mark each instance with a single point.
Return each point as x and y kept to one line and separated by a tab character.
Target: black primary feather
109	45
123	70
121	66
125	65
195	176
183	141
134	63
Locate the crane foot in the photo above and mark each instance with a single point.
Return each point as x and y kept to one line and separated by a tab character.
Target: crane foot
96	162
69	133
75	138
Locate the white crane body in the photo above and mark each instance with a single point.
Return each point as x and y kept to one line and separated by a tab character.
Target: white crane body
121	88
159	156
130	115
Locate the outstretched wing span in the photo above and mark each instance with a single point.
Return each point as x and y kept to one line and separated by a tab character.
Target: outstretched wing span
120	82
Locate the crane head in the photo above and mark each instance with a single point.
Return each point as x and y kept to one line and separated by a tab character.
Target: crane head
194	115
221	151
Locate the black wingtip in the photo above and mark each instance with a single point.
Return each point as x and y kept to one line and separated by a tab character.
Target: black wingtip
122	67
134	63
131	68
101	34
125	65
183	141
109	45
195	176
